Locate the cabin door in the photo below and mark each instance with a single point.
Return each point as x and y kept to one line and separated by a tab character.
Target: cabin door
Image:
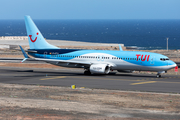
152	60
45	54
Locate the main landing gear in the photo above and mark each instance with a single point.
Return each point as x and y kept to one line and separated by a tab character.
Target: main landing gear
158	75
87	72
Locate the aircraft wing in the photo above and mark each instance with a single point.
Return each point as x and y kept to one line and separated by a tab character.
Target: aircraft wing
63	61
72	62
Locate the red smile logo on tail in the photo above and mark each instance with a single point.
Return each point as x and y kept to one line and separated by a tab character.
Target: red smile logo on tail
30	36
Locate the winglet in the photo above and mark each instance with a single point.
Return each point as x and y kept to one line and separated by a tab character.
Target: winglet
120	48
24	53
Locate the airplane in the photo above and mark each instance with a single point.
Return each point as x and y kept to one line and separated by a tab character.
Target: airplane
93	61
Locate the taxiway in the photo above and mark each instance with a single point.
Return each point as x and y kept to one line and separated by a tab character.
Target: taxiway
68	77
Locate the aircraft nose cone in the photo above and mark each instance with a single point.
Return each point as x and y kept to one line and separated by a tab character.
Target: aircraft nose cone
172	64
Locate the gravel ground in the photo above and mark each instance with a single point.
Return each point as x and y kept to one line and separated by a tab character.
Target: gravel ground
50	102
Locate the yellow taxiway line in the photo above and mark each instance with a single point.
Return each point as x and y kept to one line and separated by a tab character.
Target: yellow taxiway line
143	82
53	78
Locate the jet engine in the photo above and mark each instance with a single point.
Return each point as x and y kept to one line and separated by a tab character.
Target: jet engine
99	69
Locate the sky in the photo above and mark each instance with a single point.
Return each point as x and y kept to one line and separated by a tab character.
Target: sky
90	9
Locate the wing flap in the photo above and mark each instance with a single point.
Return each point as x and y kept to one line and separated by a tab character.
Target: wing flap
63	61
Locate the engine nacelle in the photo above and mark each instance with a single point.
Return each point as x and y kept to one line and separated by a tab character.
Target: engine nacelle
99	69
126	71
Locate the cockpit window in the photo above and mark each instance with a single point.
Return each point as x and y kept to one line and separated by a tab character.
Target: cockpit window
164	59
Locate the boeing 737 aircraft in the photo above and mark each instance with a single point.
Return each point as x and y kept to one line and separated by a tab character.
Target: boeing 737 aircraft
93	61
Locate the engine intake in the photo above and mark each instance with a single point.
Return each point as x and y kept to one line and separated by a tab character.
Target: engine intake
99	69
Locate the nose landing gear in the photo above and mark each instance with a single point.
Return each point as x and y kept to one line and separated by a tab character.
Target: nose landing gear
159	74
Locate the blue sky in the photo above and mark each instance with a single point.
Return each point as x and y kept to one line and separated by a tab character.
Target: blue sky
90	9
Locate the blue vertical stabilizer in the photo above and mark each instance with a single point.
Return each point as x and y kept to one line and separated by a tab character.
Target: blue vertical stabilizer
35	38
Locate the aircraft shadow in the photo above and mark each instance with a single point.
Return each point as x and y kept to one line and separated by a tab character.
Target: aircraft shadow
57	73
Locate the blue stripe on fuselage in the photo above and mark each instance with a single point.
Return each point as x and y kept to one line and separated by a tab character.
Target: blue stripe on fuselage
71	53
54	51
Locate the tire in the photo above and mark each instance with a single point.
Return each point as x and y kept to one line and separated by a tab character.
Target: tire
87	73
158	76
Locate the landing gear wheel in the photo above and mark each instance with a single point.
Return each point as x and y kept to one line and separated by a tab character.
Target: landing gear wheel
158	76
111	73
87	73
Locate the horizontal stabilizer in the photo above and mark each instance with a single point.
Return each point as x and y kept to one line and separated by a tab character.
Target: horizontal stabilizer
31	51
23	60
24	53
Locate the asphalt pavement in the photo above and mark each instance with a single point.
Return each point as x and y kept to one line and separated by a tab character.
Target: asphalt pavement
68	77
